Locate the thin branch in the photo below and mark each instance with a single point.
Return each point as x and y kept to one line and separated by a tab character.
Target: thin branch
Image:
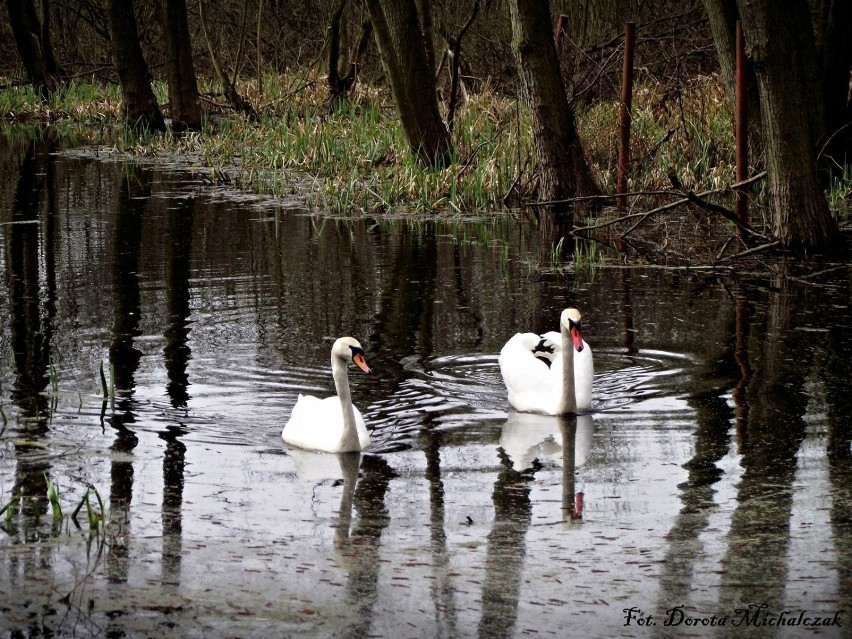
751	251
237	102
455	63
724	247
624	218
665	207
605	196
238	60
830	138
727	213
653	151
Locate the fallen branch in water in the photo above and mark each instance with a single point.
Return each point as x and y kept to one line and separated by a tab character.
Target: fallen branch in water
606	196
695	198
727	213
750	251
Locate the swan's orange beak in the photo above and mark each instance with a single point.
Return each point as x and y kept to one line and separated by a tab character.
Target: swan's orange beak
360	362
577	337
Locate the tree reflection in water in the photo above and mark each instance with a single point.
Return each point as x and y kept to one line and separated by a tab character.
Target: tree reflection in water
214	320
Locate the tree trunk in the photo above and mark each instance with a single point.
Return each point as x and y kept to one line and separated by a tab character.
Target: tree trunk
454	54
238	102
338	76
834	47
427	28
722	16
140	105
26	30
53	67
403	52
562	165
184	105
780	41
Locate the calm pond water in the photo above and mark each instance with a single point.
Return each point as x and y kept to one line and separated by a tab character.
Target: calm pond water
710	489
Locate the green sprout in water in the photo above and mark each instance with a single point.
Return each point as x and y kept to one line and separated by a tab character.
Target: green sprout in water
587	259
90	513
556	252
36	509
95	517
11	508
53	497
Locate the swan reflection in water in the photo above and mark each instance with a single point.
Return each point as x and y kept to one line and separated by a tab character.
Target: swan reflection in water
316	466
356	549
529	439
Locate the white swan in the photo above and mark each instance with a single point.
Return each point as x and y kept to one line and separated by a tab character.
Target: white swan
332	424
550	373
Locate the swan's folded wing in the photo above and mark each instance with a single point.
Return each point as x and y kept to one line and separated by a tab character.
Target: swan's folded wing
308	414
306	407
530	381
553	338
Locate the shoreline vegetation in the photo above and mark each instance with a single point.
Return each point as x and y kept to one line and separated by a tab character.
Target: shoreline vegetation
355	160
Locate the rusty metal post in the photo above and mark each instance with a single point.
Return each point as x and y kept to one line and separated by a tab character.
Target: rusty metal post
561	28
624	119
741	128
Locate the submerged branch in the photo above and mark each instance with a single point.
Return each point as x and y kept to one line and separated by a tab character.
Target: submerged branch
691	198
751	251
725	212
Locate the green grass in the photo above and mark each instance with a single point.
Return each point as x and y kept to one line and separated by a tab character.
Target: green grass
690	134
587	260
83	102
15	505
357	161
840	192
95	515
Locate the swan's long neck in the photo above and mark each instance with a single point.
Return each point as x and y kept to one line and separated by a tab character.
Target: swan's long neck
568	399
349	440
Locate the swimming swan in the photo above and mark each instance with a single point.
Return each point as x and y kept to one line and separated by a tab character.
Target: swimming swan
550	373
332	424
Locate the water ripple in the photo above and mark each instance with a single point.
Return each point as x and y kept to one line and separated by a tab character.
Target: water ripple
459	396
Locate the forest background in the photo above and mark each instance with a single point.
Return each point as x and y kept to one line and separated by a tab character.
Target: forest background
403	105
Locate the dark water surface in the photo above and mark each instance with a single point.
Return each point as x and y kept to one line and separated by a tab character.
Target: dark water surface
714	475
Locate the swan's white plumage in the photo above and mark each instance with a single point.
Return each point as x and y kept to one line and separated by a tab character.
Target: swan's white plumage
332	424
317	424
534	386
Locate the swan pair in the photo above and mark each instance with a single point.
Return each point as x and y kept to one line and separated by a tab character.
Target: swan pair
550	373
543	374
